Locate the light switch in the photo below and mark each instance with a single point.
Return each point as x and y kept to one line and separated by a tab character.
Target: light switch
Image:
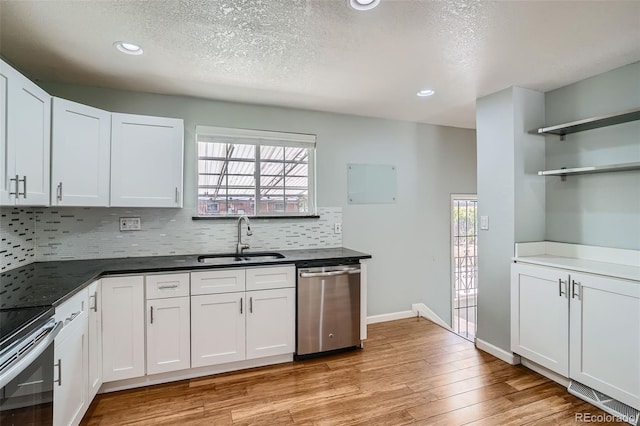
337	228
484	222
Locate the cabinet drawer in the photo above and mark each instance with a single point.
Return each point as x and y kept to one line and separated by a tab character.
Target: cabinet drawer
217	281
162	286
73	307
271	277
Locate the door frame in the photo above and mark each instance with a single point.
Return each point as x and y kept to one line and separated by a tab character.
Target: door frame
454	196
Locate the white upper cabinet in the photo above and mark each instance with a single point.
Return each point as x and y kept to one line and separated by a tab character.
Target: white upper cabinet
146	161
80	155
25	140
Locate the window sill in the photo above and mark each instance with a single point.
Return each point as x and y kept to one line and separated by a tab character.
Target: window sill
254	217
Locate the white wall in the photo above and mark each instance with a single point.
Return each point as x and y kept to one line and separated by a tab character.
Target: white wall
409	240
598	209
511	194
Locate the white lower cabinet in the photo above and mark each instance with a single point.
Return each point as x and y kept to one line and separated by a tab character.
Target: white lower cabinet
582	326
70	389
605	336
240	325
540	316
168	335
271	322
123	355
217	328
95	338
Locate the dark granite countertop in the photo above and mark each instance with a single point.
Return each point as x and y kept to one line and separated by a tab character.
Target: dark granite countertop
51	283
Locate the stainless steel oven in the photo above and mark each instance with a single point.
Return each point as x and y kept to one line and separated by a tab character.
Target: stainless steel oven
26	369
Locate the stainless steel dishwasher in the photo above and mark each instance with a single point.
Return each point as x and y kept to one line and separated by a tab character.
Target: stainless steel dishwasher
328	314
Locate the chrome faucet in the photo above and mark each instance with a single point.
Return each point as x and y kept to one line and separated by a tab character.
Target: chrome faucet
240	247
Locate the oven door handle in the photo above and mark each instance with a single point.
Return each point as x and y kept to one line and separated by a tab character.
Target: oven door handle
25	360
329	273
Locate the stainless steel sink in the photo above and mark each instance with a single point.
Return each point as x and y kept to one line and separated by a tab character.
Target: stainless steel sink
220	259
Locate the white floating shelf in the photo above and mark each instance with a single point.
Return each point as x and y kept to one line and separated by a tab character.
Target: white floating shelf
589	123
591	169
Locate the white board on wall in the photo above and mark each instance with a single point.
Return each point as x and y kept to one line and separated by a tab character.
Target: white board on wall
371	184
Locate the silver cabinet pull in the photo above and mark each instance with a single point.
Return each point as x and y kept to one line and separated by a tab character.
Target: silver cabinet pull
95	301
251	305
151	315
177	195
24	182
17	191
562	287
59	192
72	317
59	365
577	295
167	286
241	305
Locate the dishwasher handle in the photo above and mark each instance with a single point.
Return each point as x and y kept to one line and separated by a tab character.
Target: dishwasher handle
330	273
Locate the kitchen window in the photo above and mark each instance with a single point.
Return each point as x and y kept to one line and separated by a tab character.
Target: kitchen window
254	172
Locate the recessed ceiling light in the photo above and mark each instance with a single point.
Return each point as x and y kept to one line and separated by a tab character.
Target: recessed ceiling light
425	92
128	48
363	4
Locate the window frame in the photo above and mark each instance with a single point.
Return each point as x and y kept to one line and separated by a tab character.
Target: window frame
258	138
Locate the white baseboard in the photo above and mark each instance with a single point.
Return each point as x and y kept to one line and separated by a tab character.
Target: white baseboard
545	372
422	310
508	357
390	317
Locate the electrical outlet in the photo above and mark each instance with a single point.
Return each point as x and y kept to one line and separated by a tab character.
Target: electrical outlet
337	228
130	224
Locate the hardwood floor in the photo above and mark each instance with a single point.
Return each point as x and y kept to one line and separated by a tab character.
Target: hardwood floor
410	372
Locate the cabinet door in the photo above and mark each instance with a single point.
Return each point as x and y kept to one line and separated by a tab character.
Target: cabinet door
70	393
168	335
29	139
217	328
270	322
540	316
25	119
95	339
80	156
605	336
7	165
122	328
146	161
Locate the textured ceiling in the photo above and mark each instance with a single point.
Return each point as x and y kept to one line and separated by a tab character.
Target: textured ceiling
321	54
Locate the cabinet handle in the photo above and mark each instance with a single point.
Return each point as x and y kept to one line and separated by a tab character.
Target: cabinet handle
562	287
573	290
59	192
167	286
177	195
16	180
24	181
251	305
151	315
59	365
95	301
241	305
72	316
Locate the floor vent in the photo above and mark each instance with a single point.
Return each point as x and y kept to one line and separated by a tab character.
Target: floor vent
606	403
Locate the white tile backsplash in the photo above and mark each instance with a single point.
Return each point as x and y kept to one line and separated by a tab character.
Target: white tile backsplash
17	235
90	233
